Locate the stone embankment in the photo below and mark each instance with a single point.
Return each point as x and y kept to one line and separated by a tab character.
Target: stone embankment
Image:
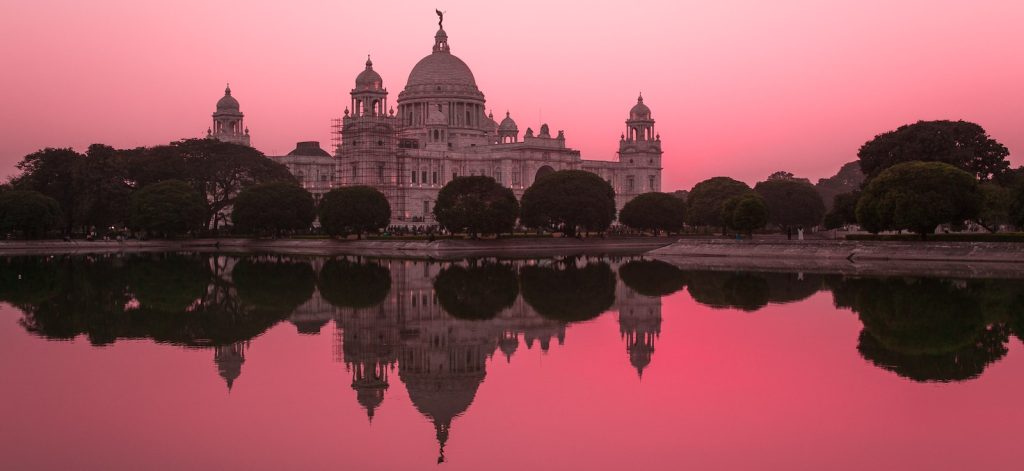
440	249
955	259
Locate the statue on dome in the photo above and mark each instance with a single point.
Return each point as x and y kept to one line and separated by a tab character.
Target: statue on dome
440	18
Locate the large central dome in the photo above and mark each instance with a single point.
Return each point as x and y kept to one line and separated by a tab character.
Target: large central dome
441	70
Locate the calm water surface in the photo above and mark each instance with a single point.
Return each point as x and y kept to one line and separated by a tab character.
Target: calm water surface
198	361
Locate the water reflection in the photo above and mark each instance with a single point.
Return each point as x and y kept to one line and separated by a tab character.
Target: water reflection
436	324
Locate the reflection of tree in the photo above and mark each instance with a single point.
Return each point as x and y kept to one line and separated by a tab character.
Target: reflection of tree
791	287
344	283
652	277
169	282
751	291
113	297
923	329
476	291
274	283
567	292
743	291
27	280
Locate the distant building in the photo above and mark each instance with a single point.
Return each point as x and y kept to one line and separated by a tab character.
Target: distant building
228	123
313	167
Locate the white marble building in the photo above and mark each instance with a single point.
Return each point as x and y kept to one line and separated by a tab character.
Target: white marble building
441	131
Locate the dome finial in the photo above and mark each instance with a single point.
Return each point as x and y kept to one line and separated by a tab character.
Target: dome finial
369	63
640	99
227	88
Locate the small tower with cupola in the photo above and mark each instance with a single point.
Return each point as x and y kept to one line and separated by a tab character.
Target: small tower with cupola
640	153
227	121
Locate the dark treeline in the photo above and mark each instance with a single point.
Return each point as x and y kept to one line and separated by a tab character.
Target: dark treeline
103	189
915	178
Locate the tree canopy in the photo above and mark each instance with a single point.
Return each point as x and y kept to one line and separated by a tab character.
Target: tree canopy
791	202
168	208
844	210
354	209
918	196
848	179
273	207
962	144
29	212
654	212
745	213
705	202
476	205
569	200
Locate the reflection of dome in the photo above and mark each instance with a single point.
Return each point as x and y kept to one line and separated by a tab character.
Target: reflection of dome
308	326
640	110
441	67
441	398
508	343
229	359
369	79
227	102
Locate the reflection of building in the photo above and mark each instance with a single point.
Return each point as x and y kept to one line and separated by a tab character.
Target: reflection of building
229	359
369	338
639	324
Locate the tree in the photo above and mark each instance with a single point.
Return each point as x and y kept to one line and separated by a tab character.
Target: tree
962	144
569	200
844	210
704	204
29	212
1017	207
354	209
847	180
476	205
791	203
168	208
220	170
996	202
654	212
476	292
273	207
918	196
92	189
745	213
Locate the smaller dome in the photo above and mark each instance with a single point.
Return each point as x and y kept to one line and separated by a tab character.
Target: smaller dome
369	79
436	118
640	110
508	124
227	102
309	148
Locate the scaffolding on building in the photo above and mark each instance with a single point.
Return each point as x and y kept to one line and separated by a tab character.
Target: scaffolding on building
367	151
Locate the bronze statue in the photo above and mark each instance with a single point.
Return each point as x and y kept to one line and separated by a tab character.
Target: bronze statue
440	18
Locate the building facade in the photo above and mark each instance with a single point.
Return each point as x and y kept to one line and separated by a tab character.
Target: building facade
438	130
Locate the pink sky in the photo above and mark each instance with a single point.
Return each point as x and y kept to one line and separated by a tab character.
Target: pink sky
737	88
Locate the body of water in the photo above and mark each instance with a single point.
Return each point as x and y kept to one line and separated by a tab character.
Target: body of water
210	361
